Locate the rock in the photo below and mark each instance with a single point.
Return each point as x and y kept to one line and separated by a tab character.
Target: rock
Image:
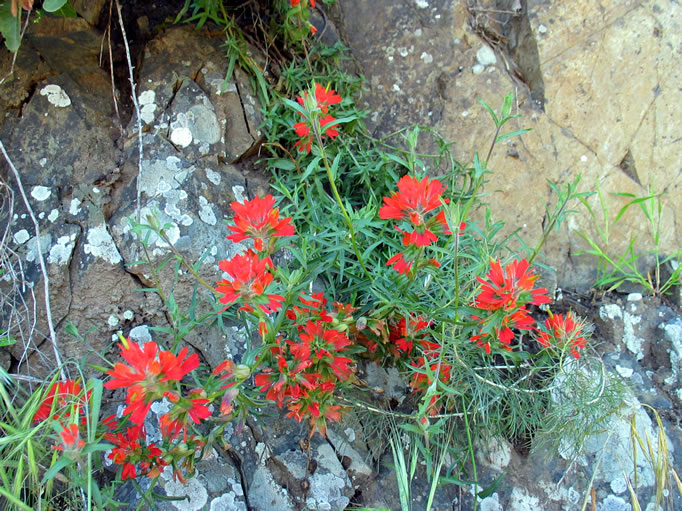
568	88
345	446
327	487
222	118
495	454
613	503
90	10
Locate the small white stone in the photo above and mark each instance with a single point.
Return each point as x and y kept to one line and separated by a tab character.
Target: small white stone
422	4
42	162
426	57
113	320
128	315
486	56
396	87
634	297
418	32
477	69
583	158
41	193
542	29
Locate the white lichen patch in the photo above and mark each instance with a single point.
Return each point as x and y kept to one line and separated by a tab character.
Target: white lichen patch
206	212
193	489
486	57
32	246
213	177
422	4
631	340
159	177
56	95
41	193
238	192
426	57
60	253
147	106
100	244
128	315
21	237
181	137
74	208
113	320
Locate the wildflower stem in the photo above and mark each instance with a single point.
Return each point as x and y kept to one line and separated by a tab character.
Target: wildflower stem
186	264
337	197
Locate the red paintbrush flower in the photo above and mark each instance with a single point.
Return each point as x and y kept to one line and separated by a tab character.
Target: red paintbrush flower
316	118
399	263
509	288
70	436
250	280
130	449
413	200
148	377
258	220
184	410
563	332
320	345
67	393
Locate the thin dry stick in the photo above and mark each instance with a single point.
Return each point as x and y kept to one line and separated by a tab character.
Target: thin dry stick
137	109
43	269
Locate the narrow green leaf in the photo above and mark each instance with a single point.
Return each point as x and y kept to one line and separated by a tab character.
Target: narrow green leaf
53	5
10	27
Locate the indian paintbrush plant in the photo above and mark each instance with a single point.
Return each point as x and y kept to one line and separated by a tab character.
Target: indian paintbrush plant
371	254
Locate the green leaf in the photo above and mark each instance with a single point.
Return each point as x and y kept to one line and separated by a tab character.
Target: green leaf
94	384
10	27
53	5
490	111
61	463
507	105
512	134
282	164
493	486
67	11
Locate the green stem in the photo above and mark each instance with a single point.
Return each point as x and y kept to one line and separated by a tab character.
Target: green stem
187	265
471	452
337	197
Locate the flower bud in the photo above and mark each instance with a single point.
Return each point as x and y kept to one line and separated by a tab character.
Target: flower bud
242	372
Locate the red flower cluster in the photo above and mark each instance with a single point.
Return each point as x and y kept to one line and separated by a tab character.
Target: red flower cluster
131	450
70	436
411	205
316	105
563	332
437	366
303	374
505	297
258	220
251	278
149	377
152	374
62	398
